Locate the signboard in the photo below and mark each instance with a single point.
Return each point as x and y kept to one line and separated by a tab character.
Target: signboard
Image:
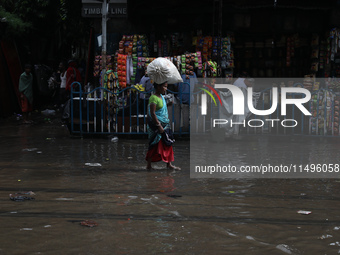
93	9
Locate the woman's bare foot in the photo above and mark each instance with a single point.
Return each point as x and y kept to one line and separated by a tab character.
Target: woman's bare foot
170	166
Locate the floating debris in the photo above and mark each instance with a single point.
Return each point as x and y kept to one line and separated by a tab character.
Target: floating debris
285	248
304	212
114	139
31	193
93	164
19	198
325	237
89	223
30	149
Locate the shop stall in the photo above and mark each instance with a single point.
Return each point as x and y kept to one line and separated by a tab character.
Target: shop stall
304	58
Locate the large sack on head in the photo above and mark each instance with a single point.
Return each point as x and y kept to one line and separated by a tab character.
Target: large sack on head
163	70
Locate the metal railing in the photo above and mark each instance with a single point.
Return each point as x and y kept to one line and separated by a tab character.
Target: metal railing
102	111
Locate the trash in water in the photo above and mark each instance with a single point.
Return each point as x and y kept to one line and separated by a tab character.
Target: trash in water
285	248
174	196
130	157
30	149
19	198
304	212
325	236
39	152
114	139
47	226
93	164
89	223
31	193
48	112
64	199
231	192
26	229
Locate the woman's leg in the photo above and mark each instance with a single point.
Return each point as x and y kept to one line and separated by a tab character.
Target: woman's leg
148	166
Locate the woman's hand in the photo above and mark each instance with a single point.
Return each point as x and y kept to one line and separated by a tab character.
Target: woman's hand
160	129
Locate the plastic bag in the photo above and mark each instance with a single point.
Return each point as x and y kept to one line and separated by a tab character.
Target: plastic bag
163	70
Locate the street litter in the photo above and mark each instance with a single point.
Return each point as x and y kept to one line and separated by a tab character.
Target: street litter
114	139
30	149
20	198
89	223
48	112
93	164
31	193
325	237
304	212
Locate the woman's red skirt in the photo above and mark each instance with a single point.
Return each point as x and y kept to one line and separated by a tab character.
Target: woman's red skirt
160	152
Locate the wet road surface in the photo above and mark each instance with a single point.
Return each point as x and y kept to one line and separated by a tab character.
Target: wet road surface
151	212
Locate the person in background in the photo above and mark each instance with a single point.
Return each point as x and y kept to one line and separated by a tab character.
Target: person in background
62	91
243	81
159	132
144	97
72	75
26	93
55	81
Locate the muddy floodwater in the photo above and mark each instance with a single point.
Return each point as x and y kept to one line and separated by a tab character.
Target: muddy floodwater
159	211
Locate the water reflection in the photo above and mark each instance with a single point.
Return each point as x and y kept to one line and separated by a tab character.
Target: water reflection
135	213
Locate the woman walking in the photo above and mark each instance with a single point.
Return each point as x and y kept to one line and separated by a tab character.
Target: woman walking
159	132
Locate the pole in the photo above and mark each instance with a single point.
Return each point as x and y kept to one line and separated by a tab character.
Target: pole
104	20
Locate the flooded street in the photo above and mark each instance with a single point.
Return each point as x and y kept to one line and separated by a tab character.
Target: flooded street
159	211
